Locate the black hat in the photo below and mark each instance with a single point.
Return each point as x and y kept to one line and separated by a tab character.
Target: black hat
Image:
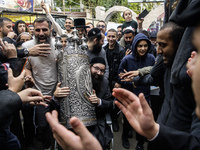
94	32
79	23
99	60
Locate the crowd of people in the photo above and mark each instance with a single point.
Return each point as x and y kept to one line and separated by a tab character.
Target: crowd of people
124	64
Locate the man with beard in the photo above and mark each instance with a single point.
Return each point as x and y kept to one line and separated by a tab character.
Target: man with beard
127	39
69	23
101	98
44	72
95	42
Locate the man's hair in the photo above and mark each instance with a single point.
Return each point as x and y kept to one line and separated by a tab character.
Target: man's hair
119	26
70	19
63	36
40	20
30	25
103	22
22	22
90	23
127	31
175	34
94	33
145	33
2	19
112	30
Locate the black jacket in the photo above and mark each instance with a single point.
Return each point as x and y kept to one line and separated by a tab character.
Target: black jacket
10	103
114	61
102	131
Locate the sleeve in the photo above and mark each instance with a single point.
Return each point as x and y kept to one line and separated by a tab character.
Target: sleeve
145	80
28	65
169	138
55	25
106	102
144	71
122	66
10	102
106	75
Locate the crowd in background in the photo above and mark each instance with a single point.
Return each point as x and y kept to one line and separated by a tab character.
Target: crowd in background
124	63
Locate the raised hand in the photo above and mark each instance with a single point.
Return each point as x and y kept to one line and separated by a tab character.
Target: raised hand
68	140
137	112
15	84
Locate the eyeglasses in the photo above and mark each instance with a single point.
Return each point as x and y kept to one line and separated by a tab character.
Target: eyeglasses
98	69
101	26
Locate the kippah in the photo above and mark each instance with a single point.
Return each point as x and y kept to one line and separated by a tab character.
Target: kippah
98	60
94	32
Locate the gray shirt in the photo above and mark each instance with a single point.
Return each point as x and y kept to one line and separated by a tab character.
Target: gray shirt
44	69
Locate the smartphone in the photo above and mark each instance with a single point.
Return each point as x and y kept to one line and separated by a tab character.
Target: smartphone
143	14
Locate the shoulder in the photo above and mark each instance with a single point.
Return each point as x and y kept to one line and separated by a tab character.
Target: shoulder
28	44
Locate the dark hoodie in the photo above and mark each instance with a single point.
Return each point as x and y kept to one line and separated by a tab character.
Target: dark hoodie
16	26
133	62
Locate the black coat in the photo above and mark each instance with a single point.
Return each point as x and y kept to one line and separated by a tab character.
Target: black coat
10	103
114	61
102	131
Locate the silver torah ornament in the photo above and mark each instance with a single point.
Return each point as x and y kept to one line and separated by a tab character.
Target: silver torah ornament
74	72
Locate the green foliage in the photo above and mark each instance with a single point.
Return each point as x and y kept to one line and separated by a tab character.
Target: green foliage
91	4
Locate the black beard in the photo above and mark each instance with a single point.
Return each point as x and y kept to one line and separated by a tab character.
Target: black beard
96	48
97	82
48	40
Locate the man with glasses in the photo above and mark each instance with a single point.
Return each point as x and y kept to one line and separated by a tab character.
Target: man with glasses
102	26
101	98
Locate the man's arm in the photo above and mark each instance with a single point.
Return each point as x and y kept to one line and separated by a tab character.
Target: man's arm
55	26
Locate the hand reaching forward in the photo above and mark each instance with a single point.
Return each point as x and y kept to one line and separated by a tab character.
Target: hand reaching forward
33	96
82	140
137	112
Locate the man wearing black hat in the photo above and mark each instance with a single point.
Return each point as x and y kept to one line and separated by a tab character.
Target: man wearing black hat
95	42
79	24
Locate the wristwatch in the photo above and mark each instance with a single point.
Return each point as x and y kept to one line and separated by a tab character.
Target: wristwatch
26	52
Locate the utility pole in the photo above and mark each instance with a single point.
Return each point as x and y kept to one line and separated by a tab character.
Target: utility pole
81	6
64	6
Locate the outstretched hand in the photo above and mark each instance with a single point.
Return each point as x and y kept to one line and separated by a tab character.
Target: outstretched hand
137	112
82	140
33	96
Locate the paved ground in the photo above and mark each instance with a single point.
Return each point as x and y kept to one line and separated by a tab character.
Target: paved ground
118	141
